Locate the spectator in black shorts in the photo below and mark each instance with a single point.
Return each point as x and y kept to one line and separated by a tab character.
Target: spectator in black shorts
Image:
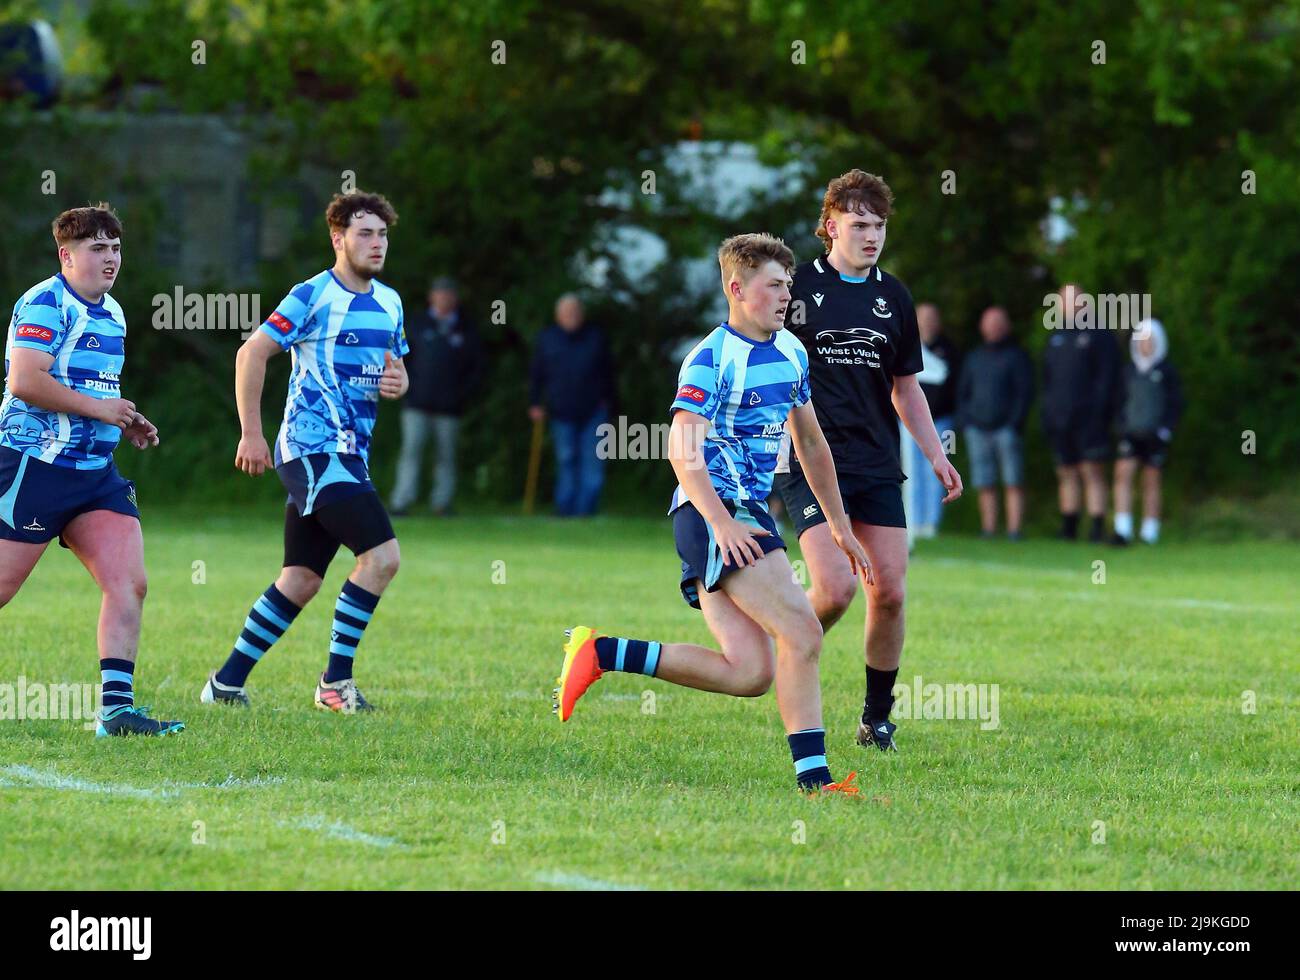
1152	405
1080	388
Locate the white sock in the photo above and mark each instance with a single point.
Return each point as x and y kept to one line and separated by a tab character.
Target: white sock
1124	525
1150	530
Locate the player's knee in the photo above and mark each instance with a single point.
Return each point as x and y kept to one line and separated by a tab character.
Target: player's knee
887	598
757	680
299	585
840	592
129	590
802	636
7	592
383	561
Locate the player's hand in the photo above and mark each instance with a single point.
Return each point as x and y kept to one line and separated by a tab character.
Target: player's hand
116	411
393	382
949	477
141	433
848	543
737	544
537	413
253	455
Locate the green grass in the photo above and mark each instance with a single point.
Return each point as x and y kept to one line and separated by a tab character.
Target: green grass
1119	702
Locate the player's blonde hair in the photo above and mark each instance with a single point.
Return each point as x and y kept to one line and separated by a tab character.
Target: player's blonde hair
856	191
740	256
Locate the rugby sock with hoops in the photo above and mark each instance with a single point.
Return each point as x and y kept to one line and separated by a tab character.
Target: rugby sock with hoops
630	656
352	613
267	620
808	748
118	679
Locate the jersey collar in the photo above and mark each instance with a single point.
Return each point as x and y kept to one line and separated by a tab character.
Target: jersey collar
369	292
826	269
753	343
78	297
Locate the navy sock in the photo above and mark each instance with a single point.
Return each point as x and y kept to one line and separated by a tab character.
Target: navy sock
267	620
808	748
1070	525
118	679
880	694
631	656
352	613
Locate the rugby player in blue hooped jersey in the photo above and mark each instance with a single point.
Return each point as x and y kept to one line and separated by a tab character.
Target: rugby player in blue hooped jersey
736	390
344	329
61	418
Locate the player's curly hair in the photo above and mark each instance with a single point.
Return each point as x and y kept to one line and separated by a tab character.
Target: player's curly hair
77	224
856	191
742	255
344	207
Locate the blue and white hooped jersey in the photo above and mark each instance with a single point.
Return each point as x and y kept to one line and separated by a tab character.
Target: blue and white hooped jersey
87	341
338	339
746	390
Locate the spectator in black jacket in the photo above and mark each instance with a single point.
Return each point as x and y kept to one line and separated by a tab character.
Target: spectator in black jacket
1151	408
445	366
993	399
572	384
938	379
1080	395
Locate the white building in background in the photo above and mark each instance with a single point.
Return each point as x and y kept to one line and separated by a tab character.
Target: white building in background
721	179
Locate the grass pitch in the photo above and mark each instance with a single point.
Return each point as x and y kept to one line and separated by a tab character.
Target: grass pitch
1146	731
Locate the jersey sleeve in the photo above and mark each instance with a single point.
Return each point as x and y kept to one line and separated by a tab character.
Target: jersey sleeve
400	346
908	360
290	322
699	387
38	324
802	388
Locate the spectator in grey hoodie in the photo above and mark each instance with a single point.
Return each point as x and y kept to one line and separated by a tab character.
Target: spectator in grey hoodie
993	399
1152	405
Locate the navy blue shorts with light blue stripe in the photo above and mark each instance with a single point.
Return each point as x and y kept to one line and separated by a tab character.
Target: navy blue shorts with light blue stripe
702	561
321	479
38	499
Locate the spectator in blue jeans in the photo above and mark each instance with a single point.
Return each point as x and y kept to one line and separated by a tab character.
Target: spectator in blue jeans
993	399
572	385
940	365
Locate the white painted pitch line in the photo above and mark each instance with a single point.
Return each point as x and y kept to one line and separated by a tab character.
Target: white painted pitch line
564	879
341	831
30	778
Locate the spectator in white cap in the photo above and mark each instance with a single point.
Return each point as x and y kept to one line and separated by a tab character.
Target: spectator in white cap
1152	404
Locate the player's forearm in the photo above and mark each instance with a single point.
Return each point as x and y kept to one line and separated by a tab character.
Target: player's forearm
819	469
250	377
40	390
693	475
914	410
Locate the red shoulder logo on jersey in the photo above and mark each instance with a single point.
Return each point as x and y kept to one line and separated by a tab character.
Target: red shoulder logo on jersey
692	393
280	323
32	330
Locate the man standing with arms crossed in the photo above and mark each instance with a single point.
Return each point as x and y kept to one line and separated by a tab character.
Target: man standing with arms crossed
858	325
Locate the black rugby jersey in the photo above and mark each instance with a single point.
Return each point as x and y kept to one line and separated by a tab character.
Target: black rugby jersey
859	337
